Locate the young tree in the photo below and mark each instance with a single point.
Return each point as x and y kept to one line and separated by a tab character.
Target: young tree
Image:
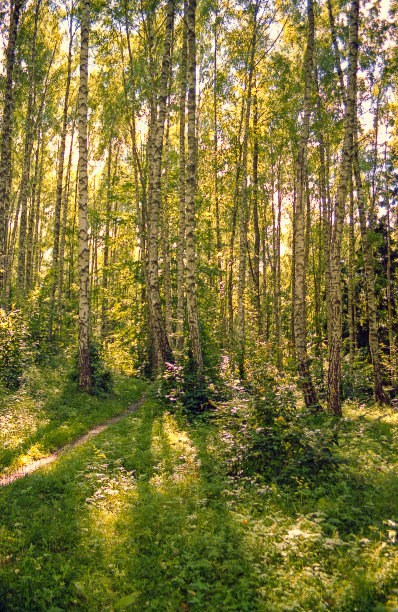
192	310
300	314
155	170
85	382
6	139
334	372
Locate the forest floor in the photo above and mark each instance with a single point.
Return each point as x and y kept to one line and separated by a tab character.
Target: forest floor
151	514
35	464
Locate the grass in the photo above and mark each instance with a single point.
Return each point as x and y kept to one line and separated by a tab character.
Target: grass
148	516
47	412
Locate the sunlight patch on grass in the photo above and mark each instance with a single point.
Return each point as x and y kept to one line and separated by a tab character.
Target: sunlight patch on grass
19	420
175	454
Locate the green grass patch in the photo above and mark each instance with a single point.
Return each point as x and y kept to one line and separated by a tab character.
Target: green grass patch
149	516
48	412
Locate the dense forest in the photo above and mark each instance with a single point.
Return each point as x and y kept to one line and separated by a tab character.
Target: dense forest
198	203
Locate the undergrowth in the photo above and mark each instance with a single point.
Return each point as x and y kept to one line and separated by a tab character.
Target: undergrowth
48	411
168	513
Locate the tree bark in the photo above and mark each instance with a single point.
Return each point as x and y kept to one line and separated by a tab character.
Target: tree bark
256	226
334	372
181	218
108	210
27	155
155	170
85	382
192	310
391	340
60	177
6	139
301	250
165	237
351	285
60	280
31	220
243	210
217	194
378	391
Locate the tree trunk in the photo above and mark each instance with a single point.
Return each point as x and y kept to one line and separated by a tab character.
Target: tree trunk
60	177
279	357
351	285
6	139
31	220
334	373
192	310
216	193
60	280
378	391
391	340
108	210
181	219
256	226
300	309
165	238
25	175
85	382
243	210
155	170
36	232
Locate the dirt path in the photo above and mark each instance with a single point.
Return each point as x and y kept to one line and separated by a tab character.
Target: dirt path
35	465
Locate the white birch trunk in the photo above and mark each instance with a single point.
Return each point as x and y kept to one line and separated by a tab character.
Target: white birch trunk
85	382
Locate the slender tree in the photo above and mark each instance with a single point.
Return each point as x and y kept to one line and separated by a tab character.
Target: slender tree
300	315
60	177
334	372
155	170
85	382
181	218
192	310
243	208
6	140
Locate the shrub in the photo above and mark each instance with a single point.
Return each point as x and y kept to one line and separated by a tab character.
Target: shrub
280	443
14	348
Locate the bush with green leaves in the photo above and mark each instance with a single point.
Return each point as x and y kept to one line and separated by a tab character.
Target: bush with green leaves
279	443
101	376
182	387
14	348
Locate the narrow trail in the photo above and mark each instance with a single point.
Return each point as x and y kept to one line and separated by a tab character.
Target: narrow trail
35	465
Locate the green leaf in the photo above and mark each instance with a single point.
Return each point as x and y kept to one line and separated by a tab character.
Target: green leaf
80	588
126	601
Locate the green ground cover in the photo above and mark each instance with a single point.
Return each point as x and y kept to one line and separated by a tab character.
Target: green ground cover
155	513
46	412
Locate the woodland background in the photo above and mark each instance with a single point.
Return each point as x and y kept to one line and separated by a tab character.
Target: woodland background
198	233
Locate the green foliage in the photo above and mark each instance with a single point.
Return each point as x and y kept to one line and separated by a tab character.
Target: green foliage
145	517
180	387
101	376
14	348
360	385
279	443
48	411
183	388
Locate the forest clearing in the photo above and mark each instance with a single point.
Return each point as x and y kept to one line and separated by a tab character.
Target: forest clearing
198	305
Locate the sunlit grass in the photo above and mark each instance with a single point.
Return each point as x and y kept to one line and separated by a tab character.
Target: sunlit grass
146	517
48	412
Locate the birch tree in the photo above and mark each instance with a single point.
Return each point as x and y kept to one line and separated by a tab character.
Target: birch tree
300	314
6	139
192	310
334	371
85	382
